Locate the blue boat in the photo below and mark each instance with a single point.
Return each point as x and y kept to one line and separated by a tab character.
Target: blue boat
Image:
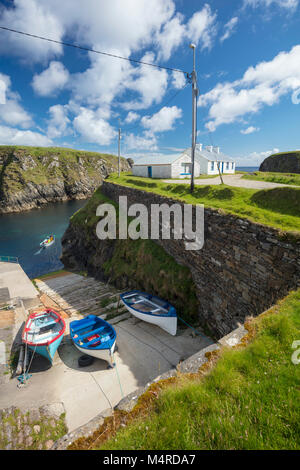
43	332
95	337
151	309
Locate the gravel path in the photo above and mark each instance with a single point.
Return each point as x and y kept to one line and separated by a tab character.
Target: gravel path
234	180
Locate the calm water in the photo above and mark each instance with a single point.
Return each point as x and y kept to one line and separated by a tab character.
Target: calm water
21	234
247	168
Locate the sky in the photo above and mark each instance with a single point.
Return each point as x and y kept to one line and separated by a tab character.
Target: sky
247	62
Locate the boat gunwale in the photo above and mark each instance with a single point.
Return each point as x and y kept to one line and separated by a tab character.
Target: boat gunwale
101	345
164	315
45	343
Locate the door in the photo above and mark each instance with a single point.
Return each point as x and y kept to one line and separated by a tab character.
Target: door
149	171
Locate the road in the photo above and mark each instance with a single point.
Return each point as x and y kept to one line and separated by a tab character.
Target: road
234	180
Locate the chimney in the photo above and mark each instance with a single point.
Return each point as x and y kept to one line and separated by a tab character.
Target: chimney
199	147
217	149
209	148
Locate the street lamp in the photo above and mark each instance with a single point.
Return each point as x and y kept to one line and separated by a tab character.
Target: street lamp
194	114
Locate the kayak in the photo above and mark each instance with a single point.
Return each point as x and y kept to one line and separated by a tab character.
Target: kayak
48	241
151	309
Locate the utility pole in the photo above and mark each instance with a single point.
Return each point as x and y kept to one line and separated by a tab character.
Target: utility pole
119	144
194	115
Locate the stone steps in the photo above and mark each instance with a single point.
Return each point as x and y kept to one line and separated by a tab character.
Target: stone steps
76	294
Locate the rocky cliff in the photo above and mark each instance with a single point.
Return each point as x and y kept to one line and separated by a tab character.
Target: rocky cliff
33	176
288	162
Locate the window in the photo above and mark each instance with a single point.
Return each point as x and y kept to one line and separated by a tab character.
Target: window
232	165
212	166
227	166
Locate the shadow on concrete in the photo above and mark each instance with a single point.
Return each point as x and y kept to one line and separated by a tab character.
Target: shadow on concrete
69	355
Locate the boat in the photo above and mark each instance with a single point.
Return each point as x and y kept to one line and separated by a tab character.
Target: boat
151	309
95	337
43	332
48	241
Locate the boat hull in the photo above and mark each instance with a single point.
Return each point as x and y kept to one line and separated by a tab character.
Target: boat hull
47	351
104	354
169	324
95	337
36	341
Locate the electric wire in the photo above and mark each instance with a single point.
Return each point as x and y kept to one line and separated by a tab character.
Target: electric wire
77	46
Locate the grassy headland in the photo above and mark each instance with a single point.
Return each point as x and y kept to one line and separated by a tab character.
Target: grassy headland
278	208
247	398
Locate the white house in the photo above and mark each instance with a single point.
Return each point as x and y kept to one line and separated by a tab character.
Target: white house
179	165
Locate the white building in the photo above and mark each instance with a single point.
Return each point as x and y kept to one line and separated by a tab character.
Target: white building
179	165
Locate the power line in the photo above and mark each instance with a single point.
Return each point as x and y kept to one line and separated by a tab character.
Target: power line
77	46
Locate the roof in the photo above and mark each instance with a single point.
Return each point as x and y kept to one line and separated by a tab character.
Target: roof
157	159
211	156
163	159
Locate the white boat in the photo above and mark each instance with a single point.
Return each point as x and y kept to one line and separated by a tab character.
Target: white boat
48	241
95	337
151	309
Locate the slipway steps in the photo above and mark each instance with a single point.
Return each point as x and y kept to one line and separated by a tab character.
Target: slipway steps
75	294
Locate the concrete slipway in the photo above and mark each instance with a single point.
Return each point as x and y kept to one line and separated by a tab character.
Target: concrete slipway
144	352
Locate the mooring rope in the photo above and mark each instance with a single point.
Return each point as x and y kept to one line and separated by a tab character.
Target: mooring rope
196	331
115	363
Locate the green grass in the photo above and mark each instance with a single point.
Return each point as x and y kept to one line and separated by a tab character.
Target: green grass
278	208
248	400
273	177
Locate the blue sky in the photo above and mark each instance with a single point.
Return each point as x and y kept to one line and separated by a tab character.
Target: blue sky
248	66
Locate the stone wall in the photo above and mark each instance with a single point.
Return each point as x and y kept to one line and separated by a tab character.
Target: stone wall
242	270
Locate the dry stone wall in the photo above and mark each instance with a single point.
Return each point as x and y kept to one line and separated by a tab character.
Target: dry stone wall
242	269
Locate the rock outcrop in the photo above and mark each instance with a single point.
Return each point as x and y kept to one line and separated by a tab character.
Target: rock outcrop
33	176
288	162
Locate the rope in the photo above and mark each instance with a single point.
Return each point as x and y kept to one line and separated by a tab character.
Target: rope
196	331
99	386
115	362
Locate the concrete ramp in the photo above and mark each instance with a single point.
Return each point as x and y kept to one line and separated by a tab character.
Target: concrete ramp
14	280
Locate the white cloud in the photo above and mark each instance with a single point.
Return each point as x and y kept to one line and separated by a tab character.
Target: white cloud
147	141
131	117
255	158
162	121
12	136
290	5
3	87
59	122
94	129
32	17
201	28
178	80
260	86
171	36
11	112
249	130
51	80
229	28
150	83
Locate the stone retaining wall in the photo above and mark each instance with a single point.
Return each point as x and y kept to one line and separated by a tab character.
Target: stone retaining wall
242	270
